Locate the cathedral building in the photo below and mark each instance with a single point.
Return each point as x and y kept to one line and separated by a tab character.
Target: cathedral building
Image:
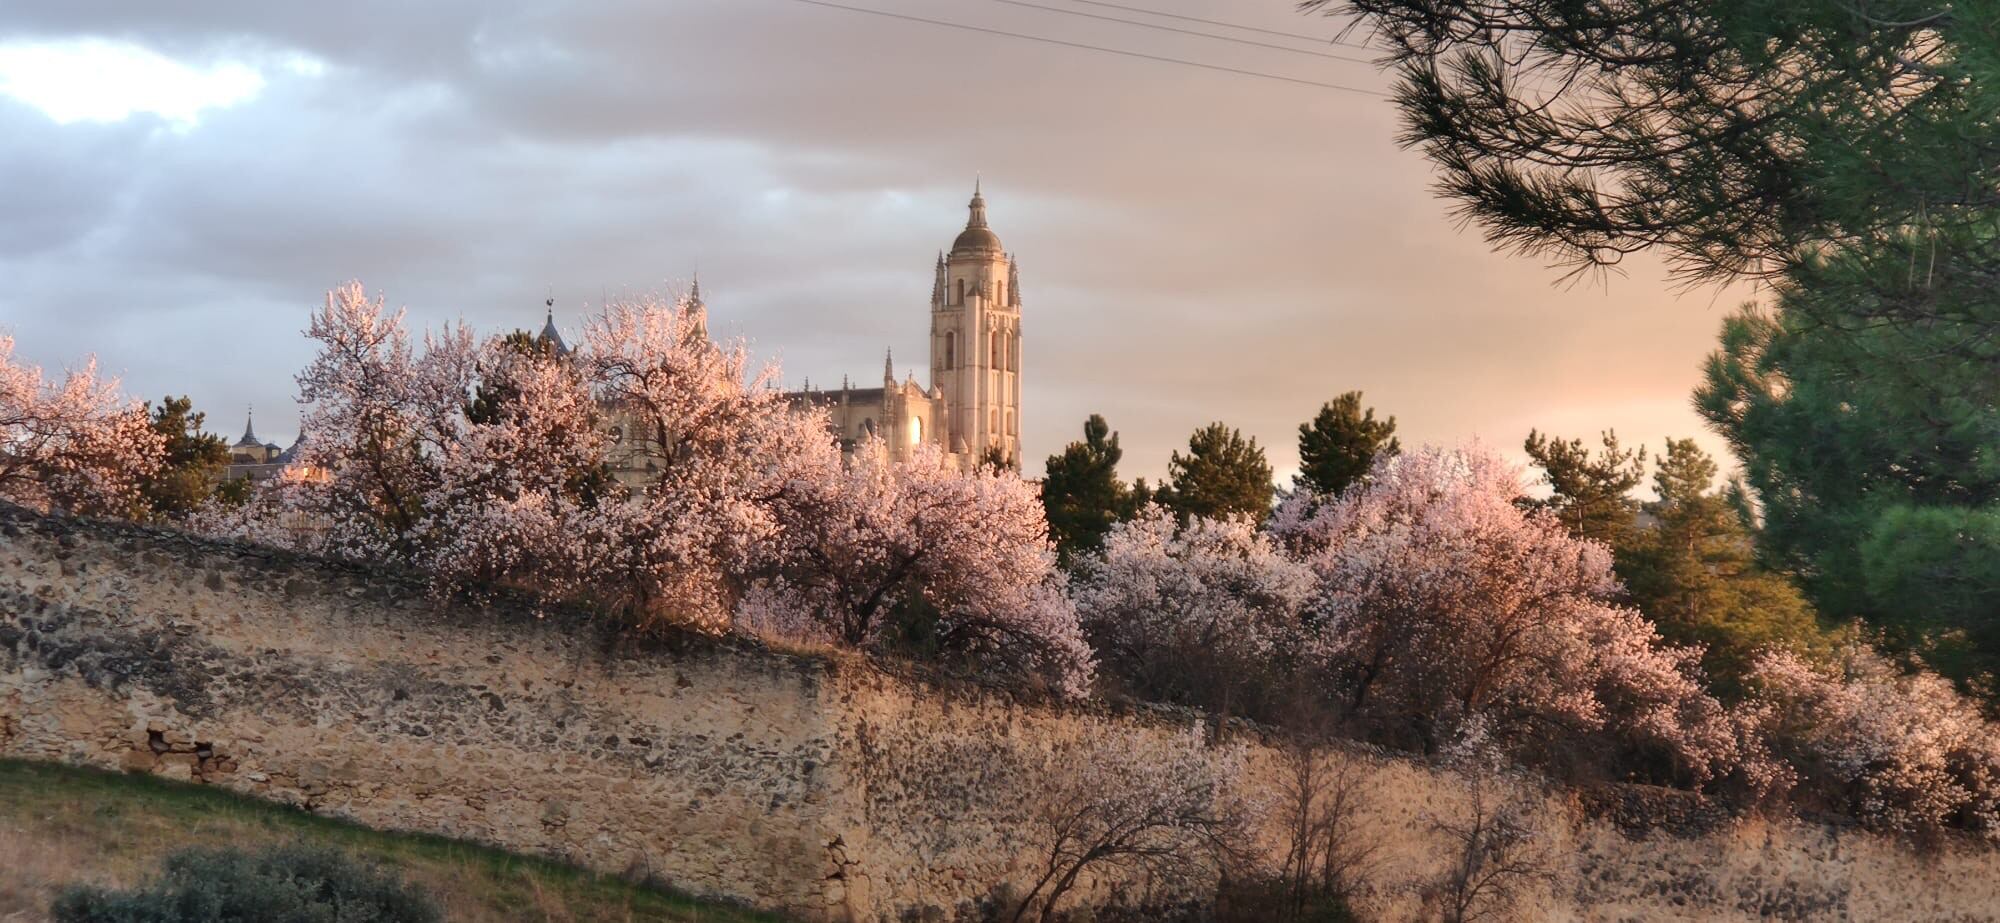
972	407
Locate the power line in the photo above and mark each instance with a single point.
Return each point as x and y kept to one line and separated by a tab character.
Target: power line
1194	32
1098	48
1540	83
1217	22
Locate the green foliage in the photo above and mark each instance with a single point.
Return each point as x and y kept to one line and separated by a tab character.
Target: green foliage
286	885
1591	492
1341	443
195	461
1870	451
1734	136
1840	152
1223	474
1081	492
109	821
1695	574
1940	566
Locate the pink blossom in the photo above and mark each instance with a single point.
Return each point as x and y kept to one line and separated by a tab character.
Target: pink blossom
859	545
1442	602
73	445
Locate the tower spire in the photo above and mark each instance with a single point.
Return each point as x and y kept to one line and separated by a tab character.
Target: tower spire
978	219
889	367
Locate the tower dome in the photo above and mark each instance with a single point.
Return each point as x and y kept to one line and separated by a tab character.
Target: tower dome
977	237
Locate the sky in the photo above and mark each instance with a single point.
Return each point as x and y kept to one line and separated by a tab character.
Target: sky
181	183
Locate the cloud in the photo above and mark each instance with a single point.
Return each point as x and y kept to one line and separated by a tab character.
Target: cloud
1194	245
95	80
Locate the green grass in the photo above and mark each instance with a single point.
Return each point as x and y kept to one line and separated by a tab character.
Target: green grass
61	825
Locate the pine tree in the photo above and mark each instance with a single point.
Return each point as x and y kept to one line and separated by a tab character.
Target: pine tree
1841	153
1870	455
1590	492
194	463
1695	574
1222	474
1341	443
1081	491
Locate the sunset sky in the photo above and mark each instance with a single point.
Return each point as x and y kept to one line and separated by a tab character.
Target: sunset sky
180	183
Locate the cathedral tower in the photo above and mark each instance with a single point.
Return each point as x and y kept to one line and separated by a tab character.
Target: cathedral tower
976	340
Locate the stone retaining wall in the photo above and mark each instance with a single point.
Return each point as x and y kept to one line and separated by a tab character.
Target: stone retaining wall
816	785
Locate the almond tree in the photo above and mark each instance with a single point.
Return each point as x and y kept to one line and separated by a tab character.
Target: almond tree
1129	799
408	468
725	447
380	414
72	445
961	560
1443	602
1903	752
1207	615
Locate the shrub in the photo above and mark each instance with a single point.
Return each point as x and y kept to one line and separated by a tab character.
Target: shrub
286	885
1901	752
1443	604
1204	615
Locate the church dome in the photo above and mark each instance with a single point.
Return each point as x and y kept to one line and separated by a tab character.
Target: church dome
977	237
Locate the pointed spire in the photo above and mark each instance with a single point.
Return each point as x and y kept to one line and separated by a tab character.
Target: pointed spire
249	427
889	367
978	206
550	334
694	291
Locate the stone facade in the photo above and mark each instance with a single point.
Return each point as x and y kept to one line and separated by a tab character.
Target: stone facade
818	785
973	404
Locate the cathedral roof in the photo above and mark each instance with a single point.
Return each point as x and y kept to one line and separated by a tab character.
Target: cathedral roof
550	334
832	398
249	434
292	454
977	237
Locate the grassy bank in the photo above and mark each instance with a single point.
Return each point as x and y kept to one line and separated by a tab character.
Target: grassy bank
60	825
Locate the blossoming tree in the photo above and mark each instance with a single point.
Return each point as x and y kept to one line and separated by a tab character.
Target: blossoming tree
962	560
72	445
1441	602
1206	614
1904	752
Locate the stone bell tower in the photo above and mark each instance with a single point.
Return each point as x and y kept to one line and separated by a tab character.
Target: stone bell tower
976	340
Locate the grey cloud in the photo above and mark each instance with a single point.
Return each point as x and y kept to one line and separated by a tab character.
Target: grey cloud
1195	246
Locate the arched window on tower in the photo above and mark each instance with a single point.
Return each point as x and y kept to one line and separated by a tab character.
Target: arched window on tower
916	430
950	349
999	293
993	419
996	355
1010	424
961	292
1014	352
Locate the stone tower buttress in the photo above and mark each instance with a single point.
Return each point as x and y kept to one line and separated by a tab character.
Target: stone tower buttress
976	340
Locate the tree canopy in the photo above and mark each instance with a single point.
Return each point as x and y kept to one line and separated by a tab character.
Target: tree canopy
1736	136
1590	492
193	463
1081	492
1223	474
1340	444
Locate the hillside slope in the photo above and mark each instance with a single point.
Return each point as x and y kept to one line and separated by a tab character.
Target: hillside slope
60	825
